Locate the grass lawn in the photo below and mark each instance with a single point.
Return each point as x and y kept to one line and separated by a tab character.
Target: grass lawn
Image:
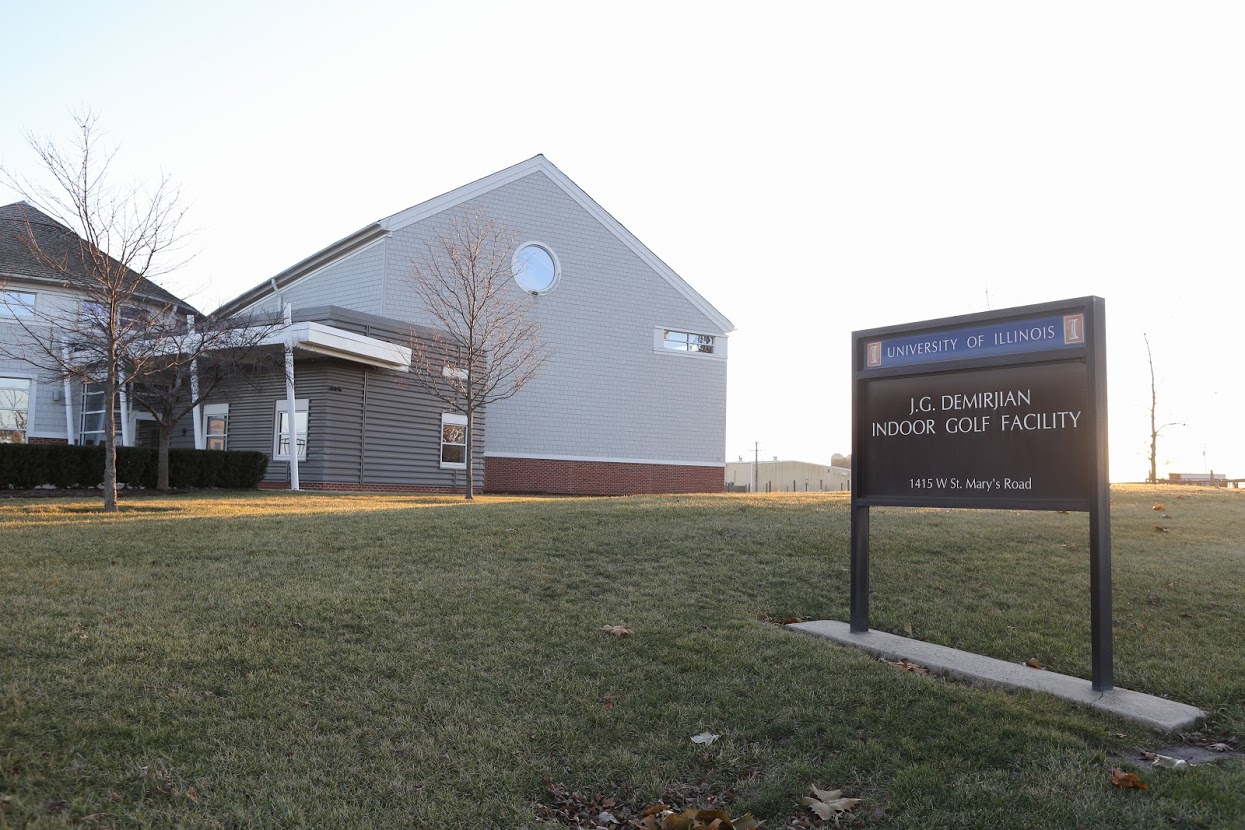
294	660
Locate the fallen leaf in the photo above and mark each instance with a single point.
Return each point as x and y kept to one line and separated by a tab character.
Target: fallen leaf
617	630
1127	780
782	620
829	803
1160	529
705	738
904	665
1220	747
1033	663
609	702
192	794
907	629
1159	507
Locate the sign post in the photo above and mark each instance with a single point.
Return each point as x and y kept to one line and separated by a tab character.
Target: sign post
1001	410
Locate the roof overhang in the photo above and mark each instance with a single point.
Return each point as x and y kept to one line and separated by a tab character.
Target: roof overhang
346	345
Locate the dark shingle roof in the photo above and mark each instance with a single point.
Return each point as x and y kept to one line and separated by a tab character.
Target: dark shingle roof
19	220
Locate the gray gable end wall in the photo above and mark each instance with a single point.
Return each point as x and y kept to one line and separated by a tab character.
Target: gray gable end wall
607	394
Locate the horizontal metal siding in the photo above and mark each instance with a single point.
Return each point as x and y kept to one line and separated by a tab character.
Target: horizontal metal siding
365	426
402	445
338	444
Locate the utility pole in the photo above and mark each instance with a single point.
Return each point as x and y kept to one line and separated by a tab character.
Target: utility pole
756	454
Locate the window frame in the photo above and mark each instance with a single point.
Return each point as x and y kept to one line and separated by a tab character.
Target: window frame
281	408
220	411
13	310
89	388
662	343
453	419
516	270
25	420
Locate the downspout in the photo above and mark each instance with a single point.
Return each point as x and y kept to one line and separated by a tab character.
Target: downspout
70	433
125	411
196	413
291	406
363	431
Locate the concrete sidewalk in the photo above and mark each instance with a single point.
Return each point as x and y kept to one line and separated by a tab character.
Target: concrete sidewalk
1154	712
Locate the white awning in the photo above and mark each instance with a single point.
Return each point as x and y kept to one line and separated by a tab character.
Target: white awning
347	345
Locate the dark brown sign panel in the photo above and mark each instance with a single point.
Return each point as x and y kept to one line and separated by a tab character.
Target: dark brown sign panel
986	437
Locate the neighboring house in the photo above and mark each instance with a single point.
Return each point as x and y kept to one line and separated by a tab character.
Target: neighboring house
35	405
361	398
786	477
633	399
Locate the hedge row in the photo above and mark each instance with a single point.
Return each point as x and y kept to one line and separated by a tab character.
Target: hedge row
26	466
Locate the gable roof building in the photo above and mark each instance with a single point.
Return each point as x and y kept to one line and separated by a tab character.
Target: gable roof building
633	398
42	295
21	224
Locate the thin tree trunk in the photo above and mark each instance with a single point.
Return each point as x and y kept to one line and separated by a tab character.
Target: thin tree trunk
471	437
110	443
162	457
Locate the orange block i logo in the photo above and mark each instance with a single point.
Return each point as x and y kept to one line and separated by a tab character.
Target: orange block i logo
873	353
1074	328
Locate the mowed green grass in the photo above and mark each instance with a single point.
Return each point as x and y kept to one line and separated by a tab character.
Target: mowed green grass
291	660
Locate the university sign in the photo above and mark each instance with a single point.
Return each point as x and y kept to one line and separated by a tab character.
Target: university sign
1002	410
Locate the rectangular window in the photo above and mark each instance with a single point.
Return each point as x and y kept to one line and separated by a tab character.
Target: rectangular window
17	303
281	430
14	410
216	417
97	314
91	430
683	341
454	441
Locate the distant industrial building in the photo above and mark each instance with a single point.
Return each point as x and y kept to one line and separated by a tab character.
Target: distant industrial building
1211	479
786	477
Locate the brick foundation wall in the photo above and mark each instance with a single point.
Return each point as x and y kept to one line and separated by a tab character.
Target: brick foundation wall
47	440
596	478
340	487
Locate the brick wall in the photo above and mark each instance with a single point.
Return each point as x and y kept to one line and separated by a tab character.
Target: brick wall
347	487
596	478
49	440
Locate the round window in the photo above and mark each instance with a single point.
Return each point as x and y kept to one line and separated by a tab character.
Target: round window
535	268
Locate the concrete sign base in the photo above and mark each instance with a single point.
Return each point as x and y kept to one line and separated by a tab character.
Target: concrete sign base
1154	712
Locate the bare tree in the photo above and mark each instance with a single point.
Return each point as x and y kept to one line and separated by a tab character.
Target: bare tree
186	360
484	348
103	242
1154	428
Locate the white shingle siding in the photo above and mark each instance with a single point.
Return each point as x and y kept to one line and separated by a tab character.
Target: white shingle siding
46	416
606	393
355	281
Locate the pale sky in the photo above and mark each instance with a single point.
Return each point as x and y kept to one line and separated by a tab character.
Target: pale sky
810	168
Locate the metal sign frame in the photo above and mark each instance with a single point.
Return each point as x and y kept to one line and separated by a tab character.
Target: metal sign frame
1059	346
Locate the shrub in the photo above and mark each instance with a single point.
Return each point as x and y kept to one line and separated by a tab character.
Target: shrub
25	466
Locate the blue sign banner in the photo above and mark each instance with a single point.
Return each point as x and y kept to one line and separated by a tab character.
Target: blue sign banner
1023	336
